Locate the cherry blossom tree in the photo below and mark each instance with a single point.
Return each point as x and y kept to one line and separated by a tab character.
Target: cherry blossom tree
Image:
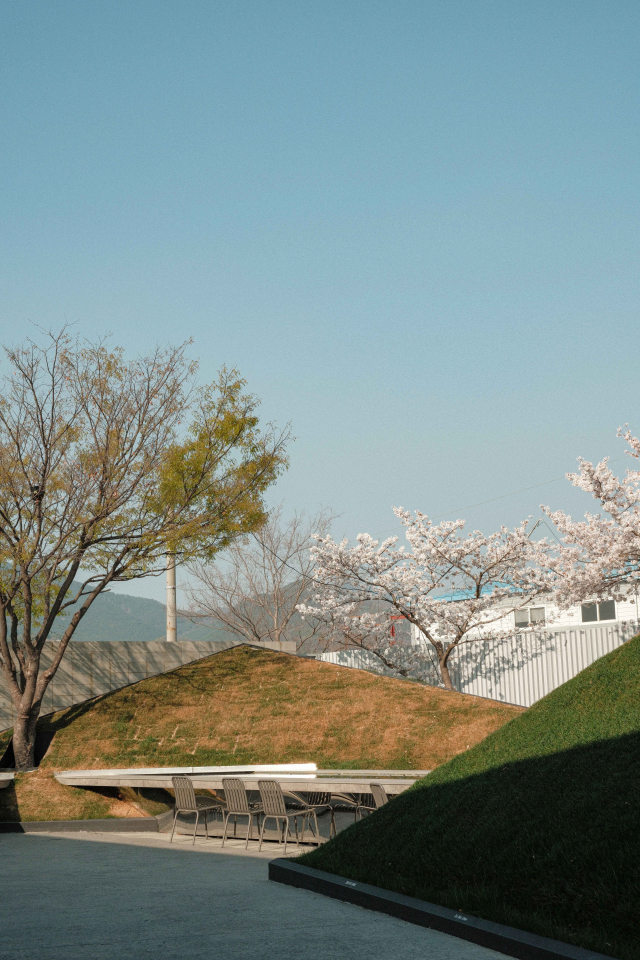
454	589
600	555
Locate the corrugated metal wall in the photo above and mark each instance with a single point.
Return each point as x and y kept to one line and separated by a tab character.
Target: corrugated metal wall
520	669
91	668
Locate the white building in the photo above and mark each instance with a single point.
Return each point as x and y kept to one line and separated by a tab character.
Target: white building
538	615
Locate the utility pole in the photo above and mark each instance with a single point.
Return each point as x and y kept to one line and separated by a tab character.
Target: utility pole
172	625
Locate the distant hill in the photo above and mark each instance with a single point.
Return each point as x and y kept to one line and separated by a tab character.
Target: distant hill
117	616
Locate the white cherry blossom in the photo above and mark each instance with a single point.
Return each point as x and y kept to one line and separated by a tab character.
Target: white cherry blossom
600	555
451	587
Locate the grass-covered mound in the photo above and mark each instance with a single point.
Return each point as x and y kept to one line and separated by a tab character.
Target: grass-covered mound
248	706
538	826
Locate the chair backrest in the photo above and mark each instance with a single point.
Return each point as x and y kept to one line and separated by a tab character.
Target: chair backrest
272	800
379	794
235	795
185	794
318	799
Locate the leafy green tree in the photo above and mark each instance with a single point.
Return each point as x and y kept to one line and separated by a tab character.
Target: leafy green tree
107	465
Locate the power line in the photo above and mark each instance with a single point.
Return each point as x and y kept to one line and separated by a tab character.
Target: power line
512	494
503	496
545	524
439	516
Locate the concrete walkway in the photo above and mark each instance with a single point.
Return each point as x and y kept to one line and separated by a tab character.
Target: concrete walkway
132	896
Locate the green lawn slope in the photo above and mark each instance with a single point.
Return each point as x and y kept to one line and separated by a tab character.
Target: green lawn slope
247	706
537	826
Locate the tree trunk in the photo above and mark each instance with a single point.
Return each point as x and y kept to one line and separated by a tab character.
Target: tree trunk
444	672
24	741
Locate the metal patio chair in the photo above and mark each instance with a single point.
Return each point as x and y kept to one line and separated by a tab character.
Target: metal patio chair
274	808
319	803
346	803
187	802
237	805
372	801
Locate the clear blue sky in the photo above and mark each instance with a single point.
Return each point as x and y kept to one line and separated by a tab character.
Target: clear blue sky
412	226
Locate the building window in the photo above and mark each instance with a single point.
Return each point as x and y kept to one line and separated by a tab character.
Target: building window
591	612
529	617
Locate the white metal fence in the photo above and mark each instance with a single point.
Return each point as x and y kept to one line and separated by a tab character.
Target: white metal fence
520	669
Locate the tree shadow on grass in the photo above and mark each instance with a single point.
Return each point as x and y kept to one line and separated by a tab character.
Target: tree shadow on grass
46	730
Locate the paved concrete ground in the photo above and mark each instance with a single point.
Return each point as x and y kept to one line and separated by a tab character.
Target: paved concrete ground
94	896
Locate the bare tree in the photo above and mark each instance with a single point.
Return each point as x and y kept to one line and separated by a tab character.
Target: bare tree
105	466
255	587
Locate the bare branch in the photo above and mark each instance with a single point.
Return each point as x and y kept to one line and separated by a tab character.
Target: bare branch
256	586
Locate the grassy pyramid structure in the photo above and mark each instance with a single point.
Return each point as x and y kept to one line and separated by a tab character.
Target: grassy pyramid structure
537	826
245	705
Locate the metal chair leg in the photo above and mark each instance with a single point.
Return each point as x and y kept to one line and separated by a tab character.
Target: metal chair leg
262	832
224	830
175	817
196	827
